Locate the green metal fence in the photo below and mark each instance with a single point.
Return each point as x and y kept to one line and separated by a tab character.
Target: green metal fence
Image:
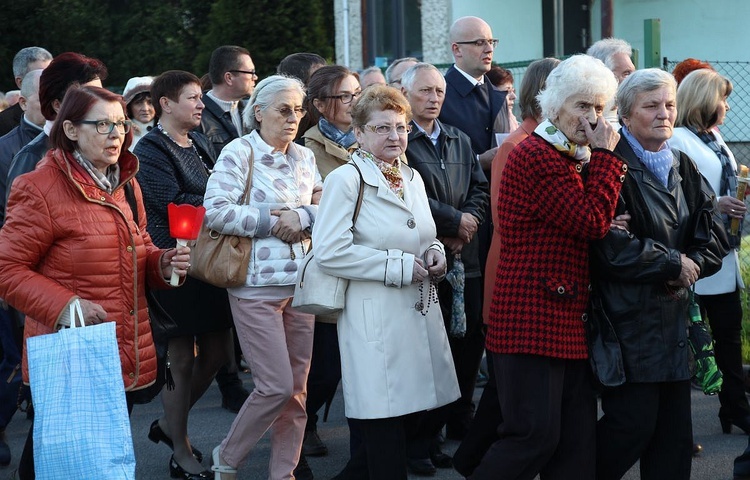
736	128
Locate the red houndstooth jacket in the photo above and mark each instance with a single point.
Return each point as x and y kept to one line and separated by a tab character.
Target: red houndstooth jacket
550	213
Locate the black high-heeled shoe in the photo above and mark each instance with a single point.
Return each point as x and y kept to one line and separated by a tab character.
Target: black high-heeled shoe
176	471
156	435
743	423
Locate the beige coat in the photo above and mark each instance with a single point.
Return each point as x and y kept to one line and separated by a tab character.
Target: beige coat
394	359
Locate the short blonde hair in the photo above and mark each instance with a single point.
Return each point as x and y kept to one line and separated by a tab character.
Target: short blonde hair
379	98
699	96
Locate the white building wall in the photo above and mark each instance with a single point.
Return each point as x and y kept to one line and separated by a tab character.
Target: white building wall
689	28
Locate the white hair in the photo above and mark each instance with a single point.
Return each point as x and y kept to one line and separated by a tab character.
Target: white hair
579	74
407	79
265	93
606	48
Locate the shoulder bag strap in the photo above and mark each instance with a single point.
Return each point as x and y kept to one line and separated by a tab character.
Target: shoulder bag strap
359	196
249	184
130	197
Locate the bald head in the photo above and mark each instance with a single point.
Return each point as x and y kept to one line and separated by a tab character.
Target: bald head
472	45
467	26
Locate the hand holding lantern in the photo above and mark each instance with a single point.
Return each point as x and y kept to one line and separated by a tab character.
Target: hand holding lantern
185	222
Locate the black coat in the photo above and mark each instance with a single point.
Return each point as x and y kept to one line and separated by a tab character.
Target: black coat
167	175
454	182
631	270
10	118
216	124
25	161
466	108
10	144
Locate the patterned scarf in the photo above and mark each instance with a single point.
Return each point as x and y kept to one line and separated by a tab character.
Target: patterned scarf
555	137
659	163
728	183
345	139
392	173
105	182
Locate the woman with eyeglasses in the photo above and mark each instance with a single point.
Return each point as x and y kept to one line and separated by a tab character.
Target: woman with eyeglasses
175	164
331	91
281	207
64	238
395	357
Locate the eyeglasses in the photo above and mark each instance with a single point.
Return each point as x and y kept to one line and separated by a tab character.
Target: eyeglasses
346	98
387	129
285	112
481	42
246	72
105	127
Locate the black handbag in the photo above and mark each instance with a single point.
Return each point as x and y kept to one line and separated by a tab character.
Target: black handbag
163	326
605	354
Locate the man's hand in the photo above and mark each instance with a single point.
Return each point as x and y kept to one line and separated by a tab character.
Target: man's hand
468	227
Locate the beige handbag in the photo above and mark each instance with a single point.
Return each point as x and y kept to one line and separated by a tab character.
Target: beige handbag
317	292
219	259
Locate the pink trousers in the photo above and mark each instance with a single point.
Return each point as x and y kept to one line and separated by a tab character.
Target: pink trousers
276	340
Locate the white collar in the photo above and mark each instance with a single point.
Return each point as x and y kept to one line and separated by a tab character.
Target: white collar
473	80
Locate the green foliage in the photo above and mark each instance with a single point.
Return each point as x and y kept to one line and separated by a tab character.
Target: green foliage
270	29
144	37
745	298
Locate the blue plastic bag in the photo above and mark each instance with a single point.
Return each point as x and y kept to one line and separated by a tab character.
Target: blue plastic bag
81	424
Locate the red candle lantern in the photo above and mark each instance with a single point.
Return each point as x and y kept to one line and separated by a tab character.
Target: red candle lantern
185	223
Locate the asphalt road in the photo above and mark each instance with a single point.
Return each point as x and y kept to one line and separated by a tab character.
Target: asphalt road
209	423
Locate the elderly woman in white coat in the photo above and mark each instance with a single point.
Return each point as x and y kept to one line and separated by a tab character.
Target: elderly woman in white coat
702	107
395	358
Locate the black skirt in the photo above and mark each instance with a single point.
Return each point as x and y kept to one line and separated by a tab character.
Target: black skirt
197	307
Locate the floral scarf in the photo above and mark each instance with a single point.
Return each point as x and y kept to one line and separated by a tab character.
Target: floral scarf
392	173
555	137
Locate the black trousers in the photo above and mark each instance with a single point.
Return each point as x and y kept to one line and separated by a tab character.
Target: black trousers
483	429
549	420
467	351
381	455
646	421
325	371
724	314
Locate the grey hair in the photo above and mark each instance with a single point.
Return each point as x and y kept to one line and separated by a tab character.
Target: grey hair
27	56
30	83
389	70
265	93
640	81
369	70
407	79
607	48
579	74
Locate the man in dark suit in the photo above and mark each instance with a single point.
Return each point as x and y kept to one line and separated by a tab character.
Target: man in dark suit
473	105
26	60
232	75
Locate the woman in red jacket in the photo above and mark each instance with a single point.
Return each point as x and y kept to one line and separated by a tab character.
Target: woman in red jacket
549	215
70	234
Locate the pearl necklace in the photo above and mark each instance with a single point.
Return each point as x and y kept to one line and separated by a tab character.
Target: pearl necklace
190	144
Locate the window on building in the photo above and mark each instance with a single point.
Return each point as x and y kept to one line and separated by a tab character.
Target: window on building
393	29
